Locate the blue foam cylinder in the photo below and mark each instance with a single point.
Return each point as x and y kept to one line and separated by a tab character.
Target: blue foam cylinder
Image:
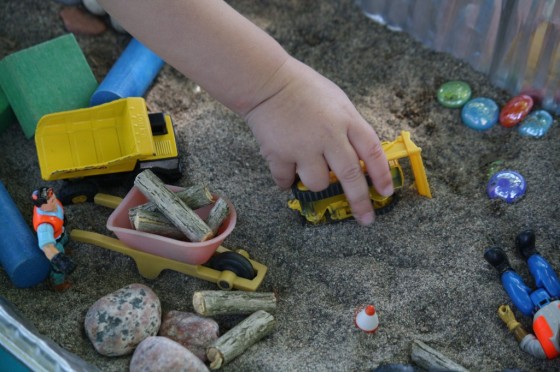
130	76
20	256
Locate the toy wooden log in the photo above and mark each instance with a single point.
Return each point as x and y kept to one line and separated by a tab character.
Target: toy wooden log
155	223
209	303
193	196
186	220
238	339
217	215
432	360
20	256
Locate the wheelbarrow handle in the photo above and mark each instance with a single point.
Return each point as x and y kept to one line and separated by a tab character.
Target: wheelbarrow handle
106	200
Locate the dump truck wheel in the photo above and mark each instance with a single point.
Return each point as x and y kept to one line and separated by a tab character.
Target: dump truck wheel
77	192
233	262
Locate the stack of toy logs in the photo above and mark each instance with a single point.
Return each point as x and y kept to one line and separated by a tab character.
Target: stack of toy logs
172	214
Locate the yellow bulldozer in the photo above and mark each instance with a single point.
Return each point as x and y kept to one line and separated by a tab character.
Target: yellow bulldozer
331	204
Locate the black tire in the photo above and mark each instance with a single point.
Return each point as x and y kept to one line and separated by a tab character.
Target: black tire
333	189
77	192
233	262
389	207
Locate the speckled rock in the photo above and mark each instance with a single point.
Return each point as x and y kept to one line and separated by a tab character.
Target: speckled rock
119	321
163	354
192	331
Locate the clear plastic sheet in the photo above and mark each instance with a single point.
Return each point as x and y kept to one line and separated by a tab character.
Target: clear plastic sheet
514	42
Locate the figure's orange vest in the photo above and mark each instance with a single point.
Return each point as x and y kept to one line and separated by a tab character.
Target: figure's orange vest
546	326
54	221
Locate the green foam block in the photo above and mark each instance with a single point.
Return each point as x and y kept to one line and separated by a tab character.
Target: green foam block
49	77
7	116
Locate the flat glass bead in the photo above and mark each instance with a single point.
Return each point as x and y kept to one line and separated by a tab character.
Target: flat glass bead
480	113
454	94
515	110
536	124
507	185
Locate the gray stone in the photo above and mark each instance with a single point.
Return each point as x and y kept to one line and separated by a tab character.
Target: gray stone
119	321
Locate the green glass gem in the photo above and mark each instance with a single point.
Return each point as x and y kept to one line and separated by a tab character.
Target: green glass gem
454	94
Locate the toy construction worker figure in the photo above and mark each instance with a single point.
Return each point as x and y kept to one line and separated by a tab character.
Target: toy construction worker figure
543	303
48	222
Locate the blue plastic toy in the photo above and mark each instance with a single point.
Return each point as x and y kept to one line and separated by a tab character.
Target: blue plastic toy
20	256
130	76
542	303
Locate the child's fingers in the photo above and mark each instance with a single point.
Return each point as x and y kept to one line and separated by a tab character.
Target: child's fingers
368	147
314	173
283	173
345	164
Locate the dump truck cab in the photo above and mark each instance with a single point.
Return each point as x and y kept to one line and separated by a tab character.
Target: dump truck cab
331	203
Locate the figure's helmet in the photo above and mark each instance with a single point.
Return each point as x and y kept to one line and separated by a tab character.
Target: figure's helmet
540	298
41	196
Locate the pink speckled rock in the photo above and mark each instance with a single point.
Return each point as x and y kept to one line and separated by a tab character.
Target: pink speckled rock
163	354
119	321
78	21
192	331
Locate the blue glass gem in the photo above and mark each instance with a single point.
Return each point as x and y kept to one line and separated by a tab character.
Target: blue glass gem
536	124
480	113
507	185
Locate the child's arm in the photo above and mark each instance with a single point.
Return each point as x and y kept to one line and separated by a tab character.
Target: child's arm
303	122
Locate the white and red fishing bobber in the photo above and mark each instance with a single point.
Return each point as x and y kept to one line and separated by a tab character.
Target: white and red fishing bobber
366	319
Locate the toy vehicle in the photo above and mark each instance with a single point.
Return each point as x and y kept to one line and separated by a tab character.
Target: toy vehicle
331	204
207	260
118	137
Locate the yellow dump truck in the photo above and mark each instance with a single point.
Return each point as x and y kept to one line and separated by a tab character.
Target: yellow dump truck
331	204
119	137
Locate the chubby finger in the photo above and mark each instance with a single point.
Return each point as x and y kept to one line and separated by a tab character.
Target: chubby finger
283	173
369	149
346	166
314	174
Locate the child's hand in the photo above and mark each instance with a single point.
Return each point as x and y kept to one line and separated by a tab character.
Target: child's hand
305	124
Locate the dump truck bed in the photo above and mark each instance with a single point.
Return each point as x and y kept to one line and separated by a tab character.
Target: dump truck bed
108	138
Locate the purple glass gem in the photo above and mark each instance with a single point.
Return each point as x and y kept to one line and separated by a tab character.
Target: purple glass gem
507	185
480	113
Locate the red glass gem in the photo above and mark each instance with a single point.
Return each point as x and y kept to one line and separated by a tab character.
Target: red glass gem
515	110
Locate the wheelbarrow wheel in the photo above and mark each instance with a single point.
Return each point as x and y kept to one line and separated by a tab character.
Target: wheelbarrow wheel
77	192
233	262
